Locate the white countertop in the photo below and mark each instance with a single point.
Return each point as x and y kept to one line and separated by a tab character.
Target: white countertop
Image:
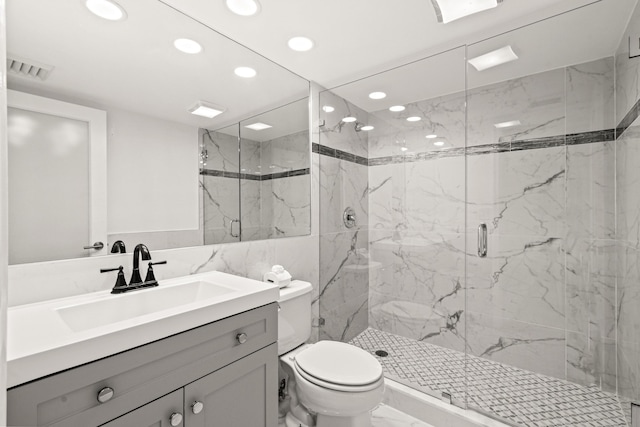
40	342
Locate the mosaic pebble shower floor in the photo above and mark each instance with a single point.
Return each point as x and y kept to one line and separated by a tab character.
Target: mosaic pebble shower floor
513	395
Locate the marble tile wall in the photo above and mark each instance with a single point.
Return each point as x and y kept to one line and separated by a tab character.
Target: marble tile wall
543	299
343	298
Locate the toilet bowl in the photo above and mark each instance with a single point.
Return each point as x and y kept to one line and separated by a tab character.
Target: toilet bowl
329	383
339	383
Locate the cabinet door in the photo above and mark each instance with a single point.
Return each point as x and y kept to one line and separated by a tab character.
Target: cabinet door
154	414
243	394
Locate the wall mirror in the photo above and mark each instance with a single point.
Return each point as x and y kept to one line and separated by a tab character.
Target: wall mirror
256	178
131	70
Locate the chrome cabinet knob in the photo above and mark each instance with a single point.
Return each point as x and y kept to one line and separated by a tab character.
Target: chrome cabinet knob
241	338
105	394
197	407
175	419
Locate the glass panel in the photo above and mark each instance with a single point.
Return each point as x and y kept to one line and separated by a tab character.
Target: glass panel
219	165
540	174
394	282
48	173
275	180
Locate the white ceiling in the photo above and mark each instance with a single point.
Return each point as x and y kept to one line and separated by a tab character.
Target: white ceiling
585	34
357	38
132	64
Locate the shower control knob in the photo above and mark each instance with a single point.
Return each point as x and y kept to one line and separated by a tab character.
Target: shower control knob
105	394
175	419
197	407
241	338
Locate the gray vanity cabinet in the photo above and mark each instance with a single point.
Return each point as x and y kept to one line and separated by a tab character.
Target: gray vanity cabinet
230	366
240	395
154	414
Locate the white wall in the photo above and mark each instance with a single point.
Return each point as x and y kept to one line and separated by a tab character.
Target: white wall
152	174
4	251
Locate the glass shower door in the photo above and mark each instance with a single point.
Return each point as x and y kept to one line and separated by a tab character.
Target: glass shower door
393	283
541	304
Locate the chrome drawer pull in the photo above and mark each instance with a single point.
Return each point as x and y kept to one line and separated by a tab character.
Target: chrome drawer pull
175	419
197	407
105	394
241	338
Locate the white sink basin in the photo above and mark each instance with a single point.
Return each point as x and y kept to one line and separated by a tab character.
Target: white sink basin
115	308
50	336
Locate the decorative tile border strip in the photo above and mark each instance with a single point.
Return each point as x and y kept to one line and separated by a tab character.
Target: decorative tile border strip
338	154
473	150
253	177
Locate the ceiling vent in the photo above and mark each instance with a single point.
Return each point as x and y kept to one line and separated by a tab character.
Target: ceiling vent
28	68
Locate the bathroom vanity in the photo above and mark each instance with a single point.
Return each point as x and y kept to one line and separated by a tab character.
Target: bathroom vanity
225	370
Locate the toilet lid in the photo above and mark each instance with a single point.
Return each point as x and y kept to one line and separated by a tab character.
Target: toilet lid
339	363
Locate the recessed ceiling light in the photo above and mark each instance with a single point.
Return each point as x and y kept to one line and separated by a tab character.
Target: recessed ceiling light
432	136
438	143
413	119
507	124
450	10
377	95
367	127
187	46
243	7
206	109
349	119
106	9
493	58
258	126
328	109
300	44
397	108
246	72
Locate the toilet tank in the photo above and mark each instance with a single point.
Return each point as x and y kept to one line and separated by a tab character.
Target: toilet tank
294	315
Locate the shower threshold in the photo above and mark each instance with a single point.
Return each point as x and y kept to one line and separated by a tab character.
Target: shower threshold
514	396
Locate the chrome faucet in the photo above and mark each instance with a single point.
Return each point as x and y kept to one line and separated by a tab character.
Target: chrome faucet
146	256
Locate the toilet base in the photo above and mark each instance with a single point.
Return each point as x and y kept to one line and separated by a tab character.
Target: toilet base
291	421
362	420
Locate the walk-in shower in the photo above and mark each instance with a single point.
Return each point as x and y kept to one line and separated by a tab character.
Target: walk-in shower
533	161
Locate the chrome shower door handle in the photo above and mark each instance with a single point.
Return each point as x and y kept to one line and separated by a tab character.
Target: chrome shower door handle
482	240
231	232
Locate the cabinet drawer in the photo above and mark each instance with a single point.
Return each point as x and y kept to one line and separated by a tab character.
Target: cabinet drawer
140	375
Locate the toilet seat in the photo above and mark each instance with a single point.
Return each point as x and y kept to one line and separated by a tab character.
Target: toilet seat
339	366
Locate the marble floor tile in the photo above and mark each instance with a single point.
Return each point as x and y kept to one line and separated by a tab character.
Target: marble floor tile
512	395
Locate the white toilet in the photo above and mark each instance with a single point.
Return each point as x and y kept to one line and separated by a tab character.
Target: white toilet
329	384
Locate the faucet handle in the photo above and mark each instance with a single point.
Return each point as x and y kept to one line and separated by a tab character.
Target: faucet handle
150	280
121	282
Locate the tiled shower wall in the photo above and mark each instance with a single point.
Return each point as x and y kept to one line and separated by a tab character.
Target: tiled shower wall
544	298
344	270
